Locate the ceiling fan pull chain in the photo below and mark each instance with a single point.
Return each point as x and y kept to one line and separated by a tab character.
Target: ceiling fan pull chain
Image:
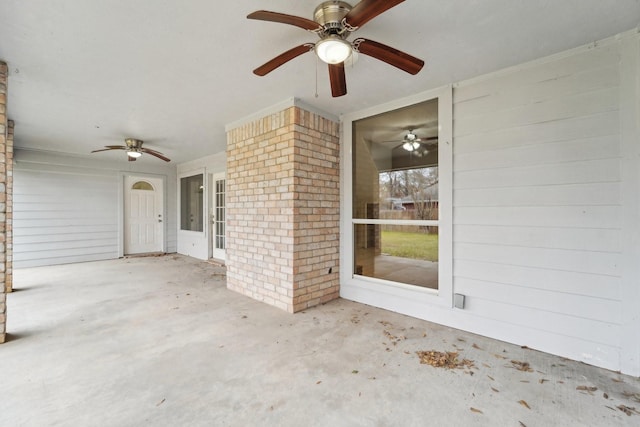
316	76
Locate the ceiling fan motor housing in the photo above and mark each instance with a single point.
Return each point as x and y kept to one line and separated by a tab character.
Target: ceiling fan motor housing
329	14
133	144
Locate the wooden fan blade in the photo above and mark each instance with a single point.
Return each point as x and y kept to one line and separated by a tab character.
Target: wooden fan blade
149	150
391	56
338	80
155	154
281	59
366	10
111	147
304	23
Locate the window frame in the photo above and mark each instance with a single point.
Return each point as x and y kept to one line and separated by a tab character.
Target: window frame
399	297
204	201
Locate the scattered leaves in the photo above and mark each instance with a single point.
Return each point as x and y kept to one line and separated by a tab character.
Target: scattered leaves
243	317
161	402
476	346
521	366
627	410
447	359
318	382
605	395
477	411
355	371
524	403
586	388
522	424
461	340
486	366
499	356
495	389
490	377
617	380
542	380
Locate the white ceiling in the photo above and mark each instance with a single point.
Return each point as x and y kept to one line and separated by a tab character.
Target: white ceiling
84	74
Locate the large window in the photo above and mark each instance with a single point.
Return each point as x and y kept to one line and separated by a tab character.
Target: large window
191	203
395	195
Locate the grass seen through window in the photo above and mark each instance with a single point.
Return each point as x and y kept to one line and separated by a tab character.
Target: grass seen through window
410	245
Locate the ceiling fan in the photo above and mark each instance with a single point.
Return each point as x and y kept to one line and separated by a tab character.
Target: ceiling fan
134	149
333	22
411	142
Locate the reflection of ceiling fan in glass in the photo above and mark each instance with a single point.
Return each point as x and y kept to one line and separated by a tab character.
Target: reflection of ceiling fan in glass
412	143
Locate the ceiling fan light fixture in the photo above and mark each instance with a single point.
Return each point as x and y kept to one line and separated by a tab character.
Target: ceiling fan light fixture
134	154
333	50
411	146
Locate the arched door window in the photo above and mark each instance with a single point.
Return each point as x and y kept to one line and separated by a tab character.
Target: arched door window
142	185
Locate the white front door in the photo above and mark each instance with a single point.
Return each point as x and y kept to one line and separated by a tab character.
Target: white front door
143	215
217	227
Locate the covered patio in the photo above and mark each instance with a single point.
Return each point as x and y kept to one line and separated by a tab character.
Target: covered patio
161	341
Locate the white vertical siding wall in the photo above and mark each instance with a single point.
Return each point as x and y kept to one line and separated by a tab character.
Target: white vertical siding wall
538	204
70	209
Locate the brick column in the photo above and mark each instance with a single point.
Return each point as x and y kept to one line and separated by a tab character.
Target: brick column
283	199
4	128
8	281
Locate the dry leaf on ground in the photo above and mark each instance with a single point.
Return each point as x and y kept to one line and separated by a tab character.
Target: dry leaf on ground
627	410
447	359
478	411
476	346
586	388
524	403
521	366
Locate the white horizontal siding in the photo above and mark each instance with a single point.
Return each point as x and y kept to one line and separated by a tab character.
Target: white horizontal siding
537	204
68	210
52	205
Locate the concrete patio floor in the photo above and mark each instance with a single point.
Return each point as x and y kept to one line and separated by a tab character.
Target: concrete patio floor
160	341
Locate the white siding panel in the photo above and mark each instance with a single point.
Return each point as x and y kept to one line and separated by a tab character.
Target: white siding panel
583	194
570	282
548	301
584	104
538	204
579	239
551	88
605	170
596	125
607	217
522	315
50	205
602	263
594	148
